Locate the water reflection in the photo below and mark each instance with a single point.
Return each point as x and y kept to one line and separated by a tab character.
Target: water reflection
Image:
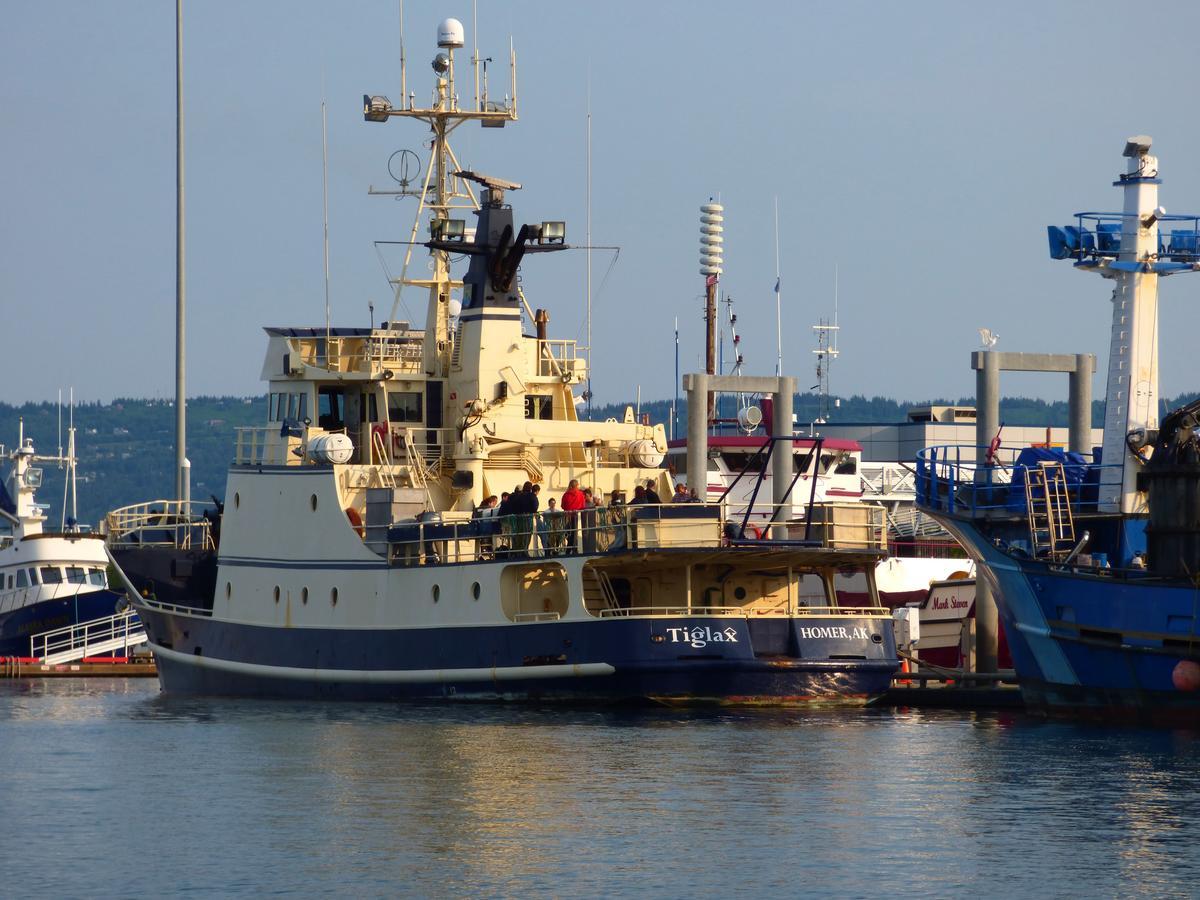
242	796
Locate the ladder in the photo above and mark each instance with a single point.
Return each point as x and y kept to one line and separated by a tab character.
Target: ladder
383	468
1051	525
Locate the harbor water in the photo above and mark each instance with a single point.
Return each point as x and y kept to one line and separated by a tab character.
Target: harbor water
111	789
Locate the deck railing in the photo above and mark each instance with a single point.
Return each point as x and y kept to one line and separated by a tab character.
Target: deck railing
559	358
160	523
951	480
643	527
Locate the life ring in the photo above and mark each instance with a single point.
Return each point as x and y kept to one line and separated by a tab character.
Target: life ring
355	520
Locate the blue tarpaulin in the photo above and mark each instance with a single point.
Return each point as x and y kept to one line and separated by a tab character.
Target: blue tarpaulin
1075	467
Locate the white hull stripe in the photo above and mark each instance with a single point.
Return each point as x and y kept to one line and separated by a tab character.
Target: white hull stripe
382	676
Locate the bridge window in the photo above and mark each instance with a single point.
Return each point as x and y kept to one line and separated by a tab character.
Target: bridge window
96	577
846	465
404	406
330	408
76	575
539	407
51	575
22	578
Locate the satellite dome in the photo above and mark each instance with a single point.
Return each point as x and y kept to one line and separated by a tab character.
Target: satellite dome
450	33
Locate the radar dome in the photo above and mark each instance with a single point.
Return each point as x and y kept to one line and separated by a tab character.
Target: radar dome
450	33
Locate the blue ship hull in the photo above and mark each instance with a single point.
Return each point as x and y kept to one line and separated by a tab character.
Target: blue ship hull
1095	644
810	660
18	626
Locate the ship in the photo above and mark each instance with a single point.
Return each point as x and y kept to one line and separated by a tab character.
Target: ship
1093	556
50	579
362	554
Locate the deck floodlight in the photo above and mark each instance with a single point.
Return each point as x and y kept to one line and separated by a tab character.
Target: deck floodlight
552	233
441	64
448	229
375	109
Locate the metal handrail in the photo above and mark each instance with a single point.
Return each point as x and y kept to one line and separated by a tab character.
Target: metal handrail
175	608
160	523
950	479
85	635
663	611
612	529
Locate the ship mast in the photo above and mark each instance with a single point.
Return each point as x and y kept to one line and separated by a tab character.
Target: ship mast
443	190
1126	248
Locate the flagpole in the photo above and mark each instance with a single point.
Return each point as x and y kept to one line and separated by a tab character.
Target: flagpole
675	409
778	303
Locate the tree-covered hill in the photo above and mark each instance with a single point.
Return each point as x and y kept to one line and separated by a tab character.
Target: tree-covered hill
126	448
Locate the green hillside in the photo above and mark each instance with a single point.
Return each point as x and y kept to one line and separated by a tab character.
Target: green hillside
126	448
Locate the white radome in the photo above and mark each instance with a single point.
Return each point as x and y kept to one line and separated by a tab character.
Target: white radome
450	33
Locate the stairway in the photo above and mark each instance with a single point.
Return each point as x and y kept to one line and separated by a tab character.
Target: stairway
94	638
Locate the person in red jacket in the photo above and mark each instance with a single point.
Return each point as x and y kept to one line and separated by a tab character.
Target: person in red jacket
573	499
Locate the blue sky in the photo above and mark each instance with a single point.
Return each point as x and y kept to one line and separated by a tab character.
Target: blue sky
921	147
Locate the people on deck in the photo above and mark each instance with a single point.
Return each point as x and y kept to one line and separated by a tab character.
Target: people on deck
651	493
572	498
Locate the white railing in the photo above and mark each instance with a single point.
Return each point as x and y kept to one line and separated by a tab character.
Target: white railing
99	636
401	353
558	358
673	611
264	445
848	527
537	617
887	481
160	523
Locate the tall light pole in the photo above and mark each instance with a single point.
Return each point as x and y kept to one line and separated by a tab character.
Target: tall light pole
183	485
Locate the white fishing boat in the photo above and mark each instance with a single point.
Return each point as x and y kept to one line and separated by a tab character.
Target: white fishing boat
361	555
49	578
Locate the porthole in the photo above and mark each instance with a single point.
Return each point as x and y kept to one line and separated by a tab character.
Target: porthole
304	595
740	593
475	590
333	597
228	590
312	501
437	593
276	593
237	500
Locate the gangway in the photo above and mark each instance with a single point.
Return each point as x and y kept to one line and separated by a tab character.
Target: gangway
94	638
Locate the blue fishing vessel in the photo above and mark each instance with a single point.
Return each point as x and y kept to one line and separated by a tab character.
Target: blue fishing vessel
1094	559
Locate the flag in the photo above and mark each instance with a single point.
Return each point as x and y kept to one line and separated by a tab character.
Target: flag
710	281
777	284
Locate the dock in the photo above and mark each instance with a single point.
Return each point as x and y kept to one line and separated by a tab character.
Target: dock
950	689
29	667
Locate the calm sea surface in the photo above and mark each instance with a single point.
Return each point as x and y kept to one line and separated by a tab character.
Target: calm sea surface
109	789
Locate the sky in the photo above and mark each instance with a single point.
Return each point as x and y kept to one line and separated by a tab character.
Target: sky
920	149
